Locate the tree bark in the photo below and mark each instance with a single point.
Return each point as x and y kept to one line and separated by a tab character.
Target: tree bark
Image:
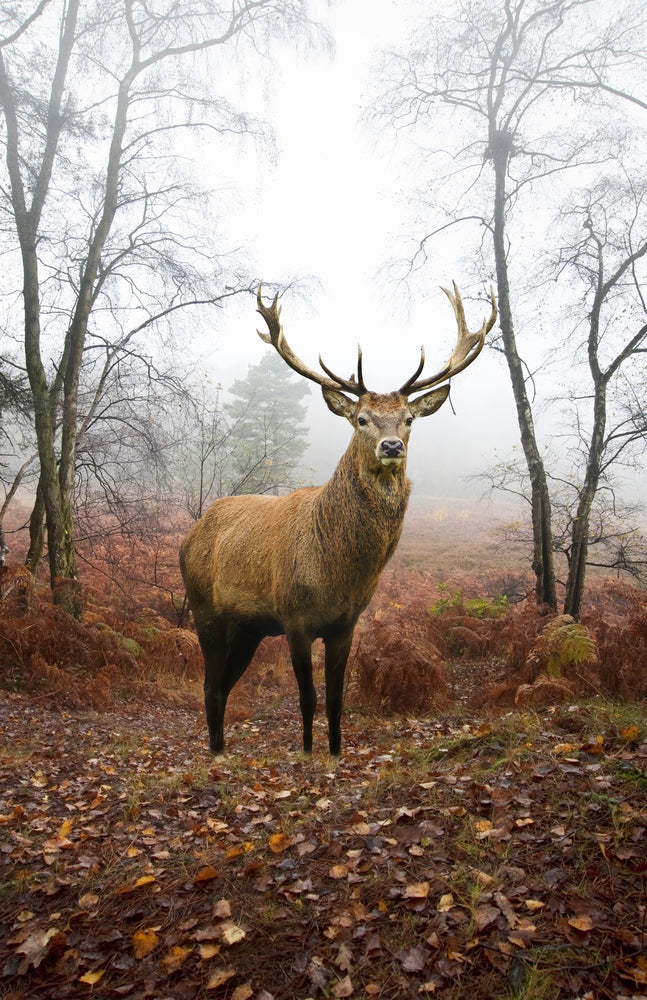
542	563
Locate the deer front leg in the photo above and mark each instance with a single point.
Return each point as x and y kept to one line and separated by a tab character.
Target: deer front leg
337	650
301	656
227	654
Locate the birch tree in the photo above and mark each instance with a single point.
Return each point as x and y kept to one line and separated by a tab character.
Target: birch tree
480	87
93	98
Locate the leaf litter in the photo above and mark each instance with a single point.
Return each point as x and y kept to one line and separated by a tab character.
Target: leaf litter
437	857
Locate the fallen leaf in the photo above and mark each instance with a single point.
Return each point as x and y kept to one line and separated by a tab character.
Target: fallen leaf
637	972
88	900
232	933
413	960
445	903
220	976
39	944
416	890
583	923
92	978
206	874
279	842
344	959
242	992
208	950
144	942
344	988
235	852
486	915
175	958
222	909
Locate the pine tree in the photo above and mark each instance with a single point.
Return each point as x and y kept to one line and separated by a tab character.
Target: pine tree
269	433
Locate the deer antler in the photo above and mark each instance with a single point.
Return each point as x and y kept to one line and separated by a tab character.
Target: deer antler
468	347
276	338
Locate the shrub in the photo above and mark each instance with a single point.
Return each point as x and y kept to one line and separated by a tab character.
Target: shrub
394	670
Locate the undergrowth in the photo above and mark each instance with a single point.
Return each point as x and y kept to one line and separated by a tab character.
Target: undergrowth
406	650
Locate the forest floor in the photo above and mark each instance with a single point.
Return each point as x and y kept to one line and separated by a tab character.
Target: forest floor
490	856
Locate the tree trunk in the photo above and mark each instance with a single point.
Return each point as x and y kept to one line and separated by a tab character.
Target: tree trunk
542	563
580	530
36	533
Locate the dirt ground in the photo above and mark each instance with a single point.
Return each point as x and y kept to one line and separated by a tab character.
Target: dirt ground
459	856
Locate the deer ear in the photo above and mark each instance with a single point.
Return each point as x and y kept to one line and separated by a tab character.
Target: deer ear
430	402
338	403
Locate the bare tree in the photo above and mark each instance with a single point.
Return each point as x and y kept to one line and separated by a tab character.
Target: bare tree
497	68
92	97
606	255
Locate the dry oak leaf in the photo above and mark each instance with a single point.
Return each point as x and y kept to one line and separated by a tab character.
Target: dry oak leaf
144	942
344	959
92	978
279	842
220	976
344	988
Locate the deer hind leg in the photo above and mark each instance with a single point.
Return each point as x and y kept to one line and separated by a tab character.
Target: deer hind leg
337	650
227	653
301	656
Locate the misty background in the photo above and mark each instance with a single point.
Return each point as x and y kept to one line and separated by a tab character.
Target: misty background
160	161
330	203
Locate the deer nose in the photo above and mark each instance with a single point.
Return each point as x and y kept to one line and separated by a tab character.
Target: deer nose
391	448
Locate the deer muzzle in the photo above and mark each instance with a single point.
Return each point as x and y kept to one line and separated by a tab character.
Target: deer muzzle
390	451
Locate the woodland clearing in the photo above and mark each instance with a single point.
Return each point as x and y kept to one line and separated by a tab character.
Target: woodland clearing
484	833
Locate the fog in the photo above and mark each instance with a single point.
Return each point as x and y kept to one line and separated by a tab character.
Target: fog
331	209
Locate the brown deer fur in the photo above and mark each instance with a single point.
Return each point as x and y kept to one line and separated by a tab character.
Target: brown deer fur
305	564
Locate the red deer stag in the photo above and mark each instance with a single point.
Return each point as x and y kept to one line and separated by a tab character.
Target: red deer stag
307	564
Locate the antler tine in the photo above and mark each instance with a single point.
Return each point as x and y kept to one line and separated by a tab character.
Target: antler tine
406	388
276	338
467	349
353	385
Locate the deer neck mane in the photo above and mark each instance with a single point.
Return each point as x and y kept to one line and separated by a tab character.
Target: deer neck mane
366	501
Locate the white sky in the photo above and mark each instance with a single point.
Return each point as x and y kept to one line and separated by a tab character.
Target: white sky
333	208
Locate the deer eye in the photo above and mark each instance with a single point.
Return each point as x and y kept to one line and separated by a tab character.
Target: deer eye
362	421
409	421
